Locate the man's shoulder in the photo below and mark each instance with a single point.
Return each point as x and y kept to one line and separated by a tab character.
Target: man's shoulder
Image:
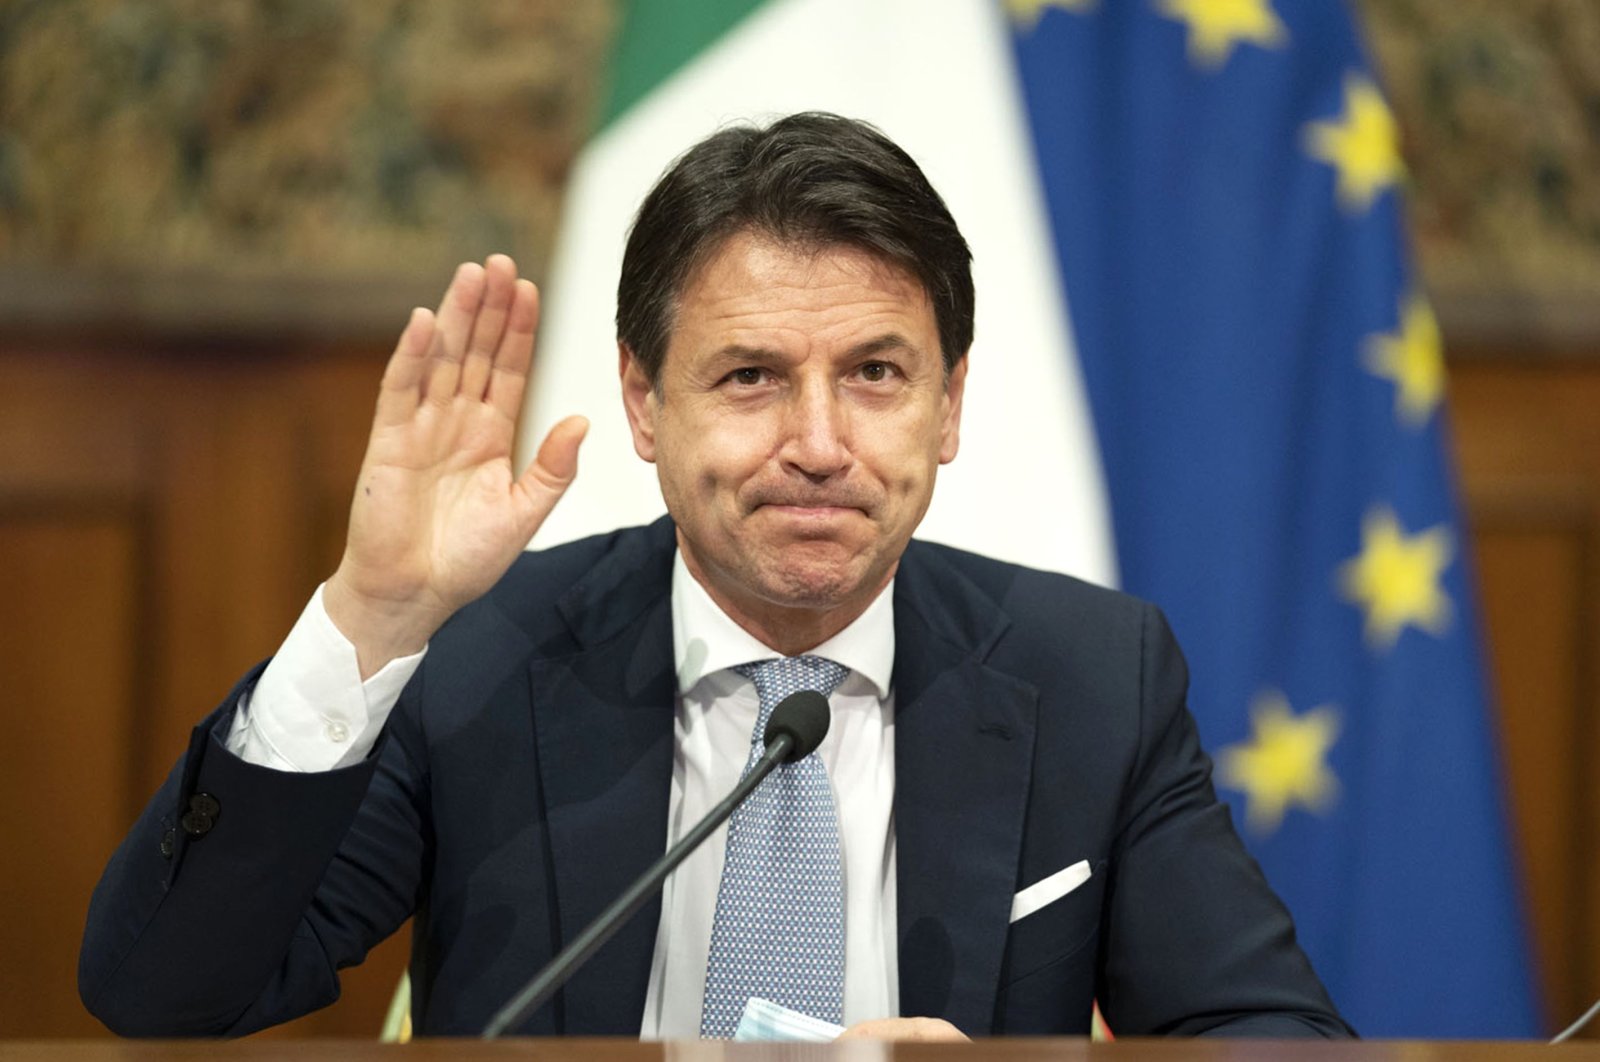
571	564
1017	588
1083	647
1027	621
543	588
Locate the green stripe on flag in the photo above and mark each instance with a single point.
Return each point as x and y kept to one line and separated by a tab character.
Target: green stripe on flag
656	38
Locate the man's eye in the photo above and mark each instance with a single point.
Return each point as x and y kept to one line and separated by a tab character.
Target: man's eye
874	372
746	377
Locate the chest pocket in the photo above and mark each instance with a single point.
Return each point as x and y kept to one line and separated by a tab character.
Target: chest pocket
1057	930
1047	983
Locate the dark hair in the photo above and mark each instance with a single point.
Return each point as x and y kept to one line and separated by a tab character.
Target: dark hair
811	179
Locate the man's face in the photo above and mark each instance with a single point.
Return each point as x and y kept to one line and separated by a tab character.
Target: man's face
798	421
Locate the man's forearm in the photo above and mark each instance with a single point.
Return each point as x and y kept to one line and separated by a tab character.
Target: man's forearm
193	918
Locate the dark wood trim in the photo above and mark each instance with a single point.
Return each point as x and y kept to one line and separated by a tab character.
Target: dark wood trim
200	308
1510	326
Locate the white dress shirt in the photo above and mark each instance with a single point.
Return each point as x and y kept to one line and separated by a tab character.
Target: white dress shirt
715	717
310	711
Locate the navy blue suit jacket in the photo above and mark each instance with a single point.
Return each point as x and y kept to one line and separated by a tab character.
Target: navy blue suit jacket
522	783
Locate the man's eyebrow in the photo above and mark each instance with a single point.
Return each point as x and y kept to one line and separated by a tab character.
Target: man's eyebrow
882	345
740	352
889	341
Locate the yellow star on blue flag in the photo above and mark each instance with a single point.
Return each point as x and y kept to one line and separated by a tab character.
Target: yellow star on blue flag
1284	762
1363	145
1027	13
1413	360
1396	578
1216	27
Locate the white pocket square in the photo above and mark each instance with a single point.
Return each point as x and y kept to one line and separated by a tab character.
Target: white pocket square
1049	890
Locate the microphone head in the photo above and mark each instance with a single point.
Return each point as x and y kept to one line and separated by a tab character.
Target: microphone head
804	717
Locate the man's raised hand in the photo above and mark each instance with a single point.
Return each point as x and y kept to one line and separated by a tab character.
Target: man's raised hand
439	514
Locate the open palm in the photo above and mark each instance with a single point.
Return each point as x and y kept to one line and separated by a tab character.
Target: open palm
439	514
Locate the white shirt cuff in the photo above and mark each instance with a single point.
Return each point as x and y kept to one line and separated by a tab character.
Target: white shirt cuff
310	711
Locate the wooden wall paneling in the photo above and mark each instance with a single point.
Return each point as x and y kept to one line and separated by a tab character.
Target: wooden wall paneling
74	549
1532	579
72	420
225	476
68	643
1528	439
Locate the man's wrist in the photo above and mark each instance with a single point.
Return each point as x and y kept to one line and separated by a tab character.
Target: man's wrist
310	711
379	630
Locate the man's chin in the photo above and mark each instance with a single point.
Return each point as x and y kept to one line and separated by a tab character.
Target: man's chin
813	575
816	587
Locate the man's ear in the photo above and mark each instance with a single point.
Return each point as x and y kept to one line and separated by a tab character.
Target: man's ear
639	400
955	386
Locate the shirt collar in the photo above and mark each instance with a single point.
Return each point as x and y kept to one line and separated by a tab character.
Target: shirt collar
706	640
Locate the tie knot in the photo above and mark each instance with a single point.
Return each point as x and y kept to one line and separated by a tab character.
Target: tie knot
777	679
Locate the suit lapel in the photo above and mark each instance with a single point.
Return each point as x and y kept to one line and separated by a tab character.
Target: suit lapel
603	719
964	737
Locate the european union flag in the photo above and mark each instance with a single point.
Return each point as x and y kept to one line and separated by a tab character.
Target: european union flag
1224	184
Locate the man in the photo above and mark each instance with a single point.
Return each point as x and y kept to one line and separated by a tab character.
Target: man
1010	817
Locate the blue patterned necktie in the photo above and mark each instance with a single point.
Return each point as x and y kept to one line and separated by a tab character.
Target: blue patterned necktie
779	927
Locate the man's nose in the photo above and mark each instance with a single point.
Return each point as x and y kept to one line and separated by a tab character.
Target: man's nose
817	438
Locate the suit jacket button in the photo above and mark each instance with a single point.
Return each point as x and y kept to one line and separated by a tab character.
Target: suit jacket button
204	804
197	824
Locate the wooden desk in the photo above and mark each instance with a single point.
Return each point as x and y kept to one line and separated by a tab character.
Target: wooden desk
1021	1050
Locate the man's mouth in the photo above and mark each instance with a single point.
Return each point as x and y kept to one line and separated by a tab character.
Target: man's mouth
810	508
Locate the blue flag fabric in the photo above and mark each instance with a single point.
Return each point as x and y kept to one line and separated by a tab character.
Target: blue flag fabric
1223	182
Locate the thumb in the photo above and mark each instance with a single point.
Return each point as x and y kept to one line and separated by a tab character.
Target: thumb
554	467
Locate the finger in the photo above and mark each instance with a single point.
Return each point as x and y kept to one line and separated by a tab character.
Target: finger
553	469
922	1029
401	388
509	378
863	1030
500	274
457	310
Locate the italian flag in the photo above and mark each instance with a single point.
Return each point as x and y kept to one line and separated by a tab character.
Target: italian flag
939	80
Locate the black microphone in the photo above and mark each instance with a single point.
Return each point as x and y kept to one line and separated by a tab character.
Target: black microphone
797	727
